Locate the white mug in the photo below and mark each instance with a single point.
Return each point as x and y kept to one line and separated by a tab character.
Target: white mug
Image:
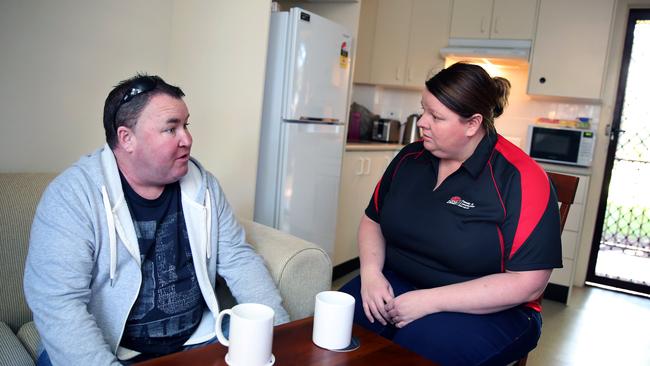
250	336
333	317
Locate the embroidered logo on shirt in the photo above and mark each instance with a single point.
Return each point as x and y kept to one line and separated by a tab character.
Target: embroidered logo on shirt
457	201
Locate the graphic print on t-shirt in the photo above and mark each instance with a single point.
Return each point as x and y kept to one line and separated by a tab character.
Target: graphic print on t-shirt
177	289
169	306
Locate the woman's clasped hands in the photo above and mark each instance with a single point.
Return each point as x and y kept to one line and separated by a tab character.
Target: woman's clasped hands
380	303
376	291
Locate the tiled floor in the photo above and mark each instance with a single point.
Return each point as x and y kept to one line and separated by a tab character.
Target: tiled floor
597	327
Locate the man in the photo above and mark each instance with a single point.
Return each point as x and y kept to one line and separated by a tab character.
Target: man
126	244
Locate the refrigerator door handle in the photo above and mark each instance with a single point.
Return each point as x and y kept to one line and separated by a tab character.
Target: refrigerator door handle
320	119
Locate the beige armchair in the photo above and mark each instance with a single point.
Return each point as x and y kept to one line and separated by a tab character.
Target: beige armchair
300	269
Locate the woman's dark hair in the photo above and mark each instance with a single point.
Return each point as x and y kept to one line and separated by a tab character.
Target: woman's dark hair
126	101
468	89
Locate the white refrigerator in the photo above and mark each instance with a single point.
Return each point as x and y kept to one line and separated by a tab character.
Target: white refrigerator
302	136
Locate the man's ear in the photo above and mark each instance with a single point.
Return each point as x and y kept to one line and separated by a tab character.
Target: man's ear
473	124
125	138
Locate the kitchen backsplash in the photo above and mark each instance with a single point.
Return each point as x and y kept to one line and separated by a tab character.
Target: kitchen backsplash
521	111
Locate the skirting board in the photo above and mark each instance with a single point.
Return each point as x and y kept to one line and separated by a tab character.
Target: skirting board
344	268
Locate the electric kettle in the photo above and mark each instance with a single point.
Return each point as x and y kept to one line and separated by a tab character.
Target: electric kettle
411	131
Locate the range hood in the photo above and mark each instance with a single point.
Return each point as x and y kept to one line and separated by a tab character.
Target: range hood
466	48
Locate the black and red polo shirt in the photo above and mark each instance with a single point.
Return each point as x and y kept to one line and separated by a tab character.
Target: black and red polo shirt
497	212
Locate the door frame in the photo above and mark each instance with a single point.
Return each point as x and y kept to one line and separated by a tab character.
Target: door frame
633	15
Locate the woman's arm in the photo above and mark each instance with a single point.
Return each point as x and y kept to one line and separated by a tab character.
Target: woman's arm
375	289
483	295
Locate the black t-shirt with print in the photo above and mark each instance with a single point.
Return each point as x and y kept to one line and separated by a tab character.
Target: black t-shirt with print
169	306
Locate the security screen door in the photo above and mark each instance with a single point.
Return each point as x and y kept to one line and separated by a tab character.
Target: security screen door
620	255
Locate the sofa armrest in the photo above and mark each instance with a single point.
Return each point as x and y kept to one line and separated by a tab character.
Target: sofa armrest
300	268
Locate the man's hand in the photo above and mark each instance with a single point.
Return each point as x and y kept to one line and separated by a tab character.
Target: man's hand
375	293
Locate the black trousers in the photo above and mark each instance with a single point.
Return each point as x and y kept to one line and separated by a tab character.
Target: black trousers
450	338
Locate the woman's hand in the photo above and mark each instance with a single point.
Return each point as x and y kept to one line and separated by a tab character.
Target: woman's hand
408	307
375	293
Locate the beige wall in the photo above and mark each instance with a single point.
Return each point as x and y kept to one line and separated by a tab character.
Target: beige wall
617	39
218	55
59	59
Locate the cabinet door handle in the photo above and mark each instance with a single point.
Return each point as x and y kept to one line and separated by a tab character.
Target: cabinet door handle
409	73
367	171
397	72
361	164
482	25
496	25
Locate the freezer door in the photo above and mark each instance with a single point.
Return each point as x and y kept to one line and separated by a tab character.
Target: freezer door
317	70
309	183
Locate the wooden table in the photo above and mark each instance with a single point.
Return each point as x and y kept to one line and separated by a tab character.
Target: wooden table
292	345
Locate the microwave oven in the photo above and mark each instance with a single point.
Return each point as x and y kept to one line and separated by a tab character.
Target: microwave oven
560	145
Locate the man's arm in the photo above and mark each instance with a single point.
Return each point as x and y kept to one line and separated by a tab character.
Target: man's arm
58	273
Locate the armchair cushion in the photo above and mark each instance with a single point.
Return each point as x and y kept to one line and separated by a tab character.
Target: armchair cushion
12	352
29	337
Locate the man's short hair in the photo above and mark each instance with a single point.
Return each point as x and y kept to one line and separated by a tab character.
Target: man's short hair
126	101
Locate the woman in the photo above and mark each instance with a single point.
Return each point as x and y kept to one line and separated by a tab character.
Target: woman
461	234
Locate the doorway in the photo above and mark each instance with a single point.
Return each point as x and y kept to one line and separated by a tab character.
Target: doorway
620	253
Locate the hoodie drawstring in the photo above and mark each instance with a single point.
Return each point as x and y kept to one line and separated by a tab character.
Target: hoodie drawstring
111	234
208	207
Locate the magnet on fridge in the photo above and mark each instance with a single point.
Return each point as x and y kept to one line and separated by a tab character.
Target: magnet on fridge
344	59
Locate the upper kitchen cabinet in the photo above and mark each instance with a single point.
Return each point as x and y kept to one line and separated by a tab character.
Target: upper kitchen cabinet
404	37
365	40
493	19
428	34
391	43
570	48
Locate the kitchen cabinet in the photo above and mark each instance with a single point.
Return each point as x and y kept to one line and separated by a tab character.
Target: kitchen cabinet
360	173
405	38
570	49
493	19
365	40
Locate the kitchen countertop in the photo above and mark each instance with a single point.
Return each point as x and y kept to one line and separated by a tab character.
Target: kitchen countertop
372	146
383	146
568	169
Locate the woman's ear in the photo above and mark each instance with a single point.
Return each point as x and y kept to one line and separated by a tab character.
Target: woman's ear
473	124
125	138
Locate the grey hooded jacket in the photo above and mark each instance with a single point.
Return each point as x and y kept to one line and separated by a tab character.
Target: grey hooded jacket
82	274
